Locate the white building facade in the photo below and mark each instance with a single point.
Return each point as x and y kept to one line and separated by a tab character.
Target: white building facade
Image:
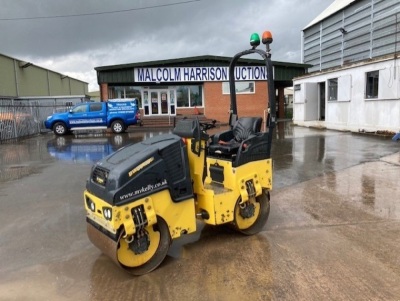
354	80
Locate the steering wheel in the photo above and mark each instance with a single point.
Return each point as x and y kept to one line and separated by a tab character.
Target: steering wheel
207	125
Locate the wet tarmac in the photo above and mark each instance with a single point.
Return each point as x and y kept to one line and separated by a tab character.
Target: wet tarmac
333	231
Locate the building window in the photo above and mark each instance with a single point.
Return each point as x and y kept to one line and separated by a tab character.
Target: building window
182	96
186	96
372	85
333	89
288	99
241	87
189	96
196	98
134	92
119	92
126	92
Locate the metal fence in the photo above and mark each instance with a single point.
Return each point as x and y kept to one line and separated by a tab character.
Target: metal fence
22	118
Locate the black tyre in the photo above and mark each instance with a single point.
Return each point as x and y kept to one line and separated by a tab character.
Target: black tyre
60	129
159	242
251	219
118	127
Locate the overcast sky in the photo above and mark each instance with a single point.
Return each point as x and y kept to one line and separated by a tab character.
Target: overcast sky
73	37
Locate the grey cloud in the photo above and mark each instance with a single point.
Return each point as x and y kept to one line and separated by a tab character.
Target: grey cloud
216	27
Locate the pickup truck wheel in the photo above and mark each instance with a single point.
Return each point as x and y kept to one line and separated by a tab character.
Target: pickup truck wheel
118	127
60	129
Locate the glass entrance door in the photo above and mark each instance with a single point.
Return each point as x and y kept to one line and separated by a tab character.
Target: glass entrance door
159	102
163	102
154	103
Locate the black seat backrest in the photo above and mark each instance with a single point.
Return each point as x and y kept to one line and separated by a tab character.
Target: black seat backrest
246	127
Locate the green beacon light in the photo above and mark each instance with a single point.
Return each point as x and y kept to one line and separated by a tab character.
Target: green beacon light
254	40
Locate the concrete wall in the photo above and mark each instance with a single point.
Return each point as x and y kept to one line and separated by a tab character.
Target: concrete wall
352	110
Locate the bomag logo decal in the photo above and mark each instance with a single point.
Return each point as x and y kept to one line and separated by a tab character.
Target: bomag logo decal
140	166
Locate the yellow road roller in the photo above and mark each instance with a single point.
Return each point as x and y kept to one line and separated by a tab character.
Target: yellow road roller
147	194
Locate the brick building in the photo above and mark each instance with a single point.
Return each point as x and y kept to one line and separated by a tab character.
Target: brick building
197	85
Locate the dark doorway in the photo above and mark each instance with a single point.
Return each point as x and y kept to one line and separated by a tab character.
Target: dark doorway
321	88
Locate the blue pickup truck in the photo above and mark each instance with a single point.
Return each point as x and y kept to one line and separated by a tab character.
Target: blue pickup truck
116	114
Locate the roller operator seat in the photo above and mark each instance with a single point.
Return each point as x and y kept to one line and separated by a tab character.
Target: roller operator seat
228	143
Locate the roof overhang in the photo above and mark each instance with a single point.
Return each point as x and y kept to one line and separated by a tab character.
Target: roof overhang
336	6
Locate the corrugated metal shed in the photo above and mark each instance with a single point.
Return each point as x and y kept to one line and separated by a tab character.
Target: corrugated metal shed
19	78
352	31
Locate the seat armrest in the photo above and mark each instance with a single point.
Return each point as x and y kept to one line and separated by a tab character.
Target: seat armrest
252	149
251	141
